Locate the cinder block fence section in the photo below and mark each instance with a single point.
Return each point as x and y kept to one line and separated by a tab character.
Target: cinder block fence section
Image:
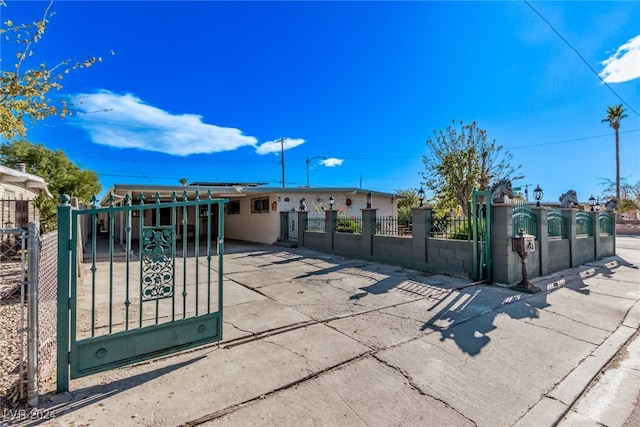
585	237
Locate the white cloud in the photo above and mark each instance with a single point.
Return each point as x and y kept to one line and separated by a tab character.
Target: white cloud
332	162
276	147
125	121
624	65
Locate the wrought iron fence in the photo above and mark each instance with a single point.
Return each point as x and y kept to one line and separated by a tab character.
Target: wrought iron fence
524	218
349	225
450	228
557	224
606	224
392	226
584	224
314	224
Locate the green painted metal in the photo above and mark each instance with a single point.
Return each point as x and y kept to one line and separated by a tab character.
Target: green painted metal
584	224
132	315
557	224
606	223
480	220
524	218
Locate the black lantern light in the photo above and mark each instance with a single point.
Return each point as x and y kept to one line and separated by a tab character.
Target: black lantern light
331	203
592	202
537	194
421	196
597	204
369	197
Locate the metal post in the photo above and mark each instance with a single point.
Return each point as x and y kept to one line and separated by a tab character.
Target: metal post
64	267
33	240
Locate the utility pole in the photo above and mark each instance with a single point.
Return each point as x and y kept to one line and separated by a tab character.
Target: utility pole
281	141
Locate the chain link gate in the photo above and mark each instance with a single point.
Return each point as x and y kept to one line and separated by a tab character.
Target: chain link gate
148	283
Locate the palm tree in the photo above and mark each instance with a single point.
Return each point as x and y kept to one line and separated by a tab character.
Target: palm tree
183	181
614	115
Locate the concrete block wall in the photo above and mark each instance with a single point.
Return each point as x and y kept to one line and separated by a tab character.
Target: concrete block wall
455	257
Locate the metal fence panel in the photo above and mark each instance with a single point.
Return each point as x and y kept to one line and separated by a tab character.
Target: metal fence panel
557	224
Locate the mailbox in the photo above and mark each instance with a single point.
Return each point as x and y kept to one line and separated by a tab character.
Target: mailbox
523	243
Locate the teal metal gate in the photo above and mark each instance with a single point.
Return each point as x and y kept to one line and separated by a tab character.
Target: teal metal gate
481	232
137	281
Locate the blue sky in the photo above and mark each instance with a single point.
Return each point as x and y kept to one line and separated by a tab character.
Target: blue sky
204	90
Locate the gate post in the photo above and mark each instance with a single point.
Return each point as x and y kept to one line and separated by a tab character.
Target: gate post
33	239
64	271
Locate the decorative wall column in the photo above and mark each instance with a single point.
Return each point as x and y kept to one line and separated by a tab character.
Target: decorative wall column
330	221
595	220
368	230
542	231
302	225
505	266
421	219
572	230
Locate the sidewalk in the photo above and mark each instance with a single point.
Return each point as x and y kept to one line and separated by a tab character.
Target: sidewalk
314	339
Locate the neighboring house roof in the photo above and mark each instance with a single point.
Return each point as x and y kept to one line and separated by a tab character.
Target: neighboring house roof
233	191
15	176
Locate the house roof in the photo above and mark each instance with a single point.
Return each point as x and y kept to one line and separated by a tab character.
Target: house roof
233	191
15	176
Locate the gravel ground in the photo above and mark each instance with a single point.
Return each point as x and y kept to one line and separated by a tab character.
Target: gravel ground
9	346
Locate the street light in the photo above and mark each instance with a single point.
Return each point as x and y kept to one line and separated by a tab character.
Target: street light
309	160
421	196
537	194
592	202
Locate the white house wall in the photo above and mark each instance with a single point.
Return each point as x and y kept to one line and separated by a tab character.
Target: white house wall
264	227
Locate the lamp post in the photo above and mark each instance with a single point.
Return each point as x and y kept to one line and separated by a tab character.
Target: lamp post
592	202
309	160
369	200
421	196
331	201
537	194
597	204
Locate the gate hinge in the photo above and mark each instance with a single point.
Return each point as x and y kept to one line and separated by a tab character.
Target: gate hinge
69	358
69	303
70	245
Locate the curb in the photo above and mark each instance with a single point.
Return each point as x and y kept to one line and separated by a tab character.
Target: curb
555	404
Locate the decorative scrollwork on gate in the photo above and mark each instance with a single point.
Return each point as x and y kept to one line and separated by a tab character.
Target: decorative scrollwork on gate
157	262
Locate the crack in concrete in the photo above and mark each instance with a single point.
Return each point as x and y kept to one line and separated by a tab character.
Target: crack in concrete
417	388
238	328
561	333
577	321
306	361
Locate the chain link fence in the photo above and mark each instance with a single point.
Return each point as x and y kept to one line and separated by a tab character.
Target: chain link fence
47	308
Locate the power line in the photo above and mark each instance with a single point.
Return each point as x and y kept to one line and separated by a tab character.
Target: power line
581	57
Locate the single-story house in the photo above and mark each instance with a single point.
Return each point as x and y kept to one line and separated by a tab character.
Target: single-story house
253	210
18	189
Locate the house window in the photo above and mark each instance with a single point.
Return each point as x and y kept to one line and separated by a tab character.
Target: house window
260	205
233	207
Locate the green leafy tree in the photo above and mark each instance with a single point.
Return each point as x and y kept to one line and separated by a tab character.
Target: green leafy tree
408	199
26	95
60	173
460	159
614	115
